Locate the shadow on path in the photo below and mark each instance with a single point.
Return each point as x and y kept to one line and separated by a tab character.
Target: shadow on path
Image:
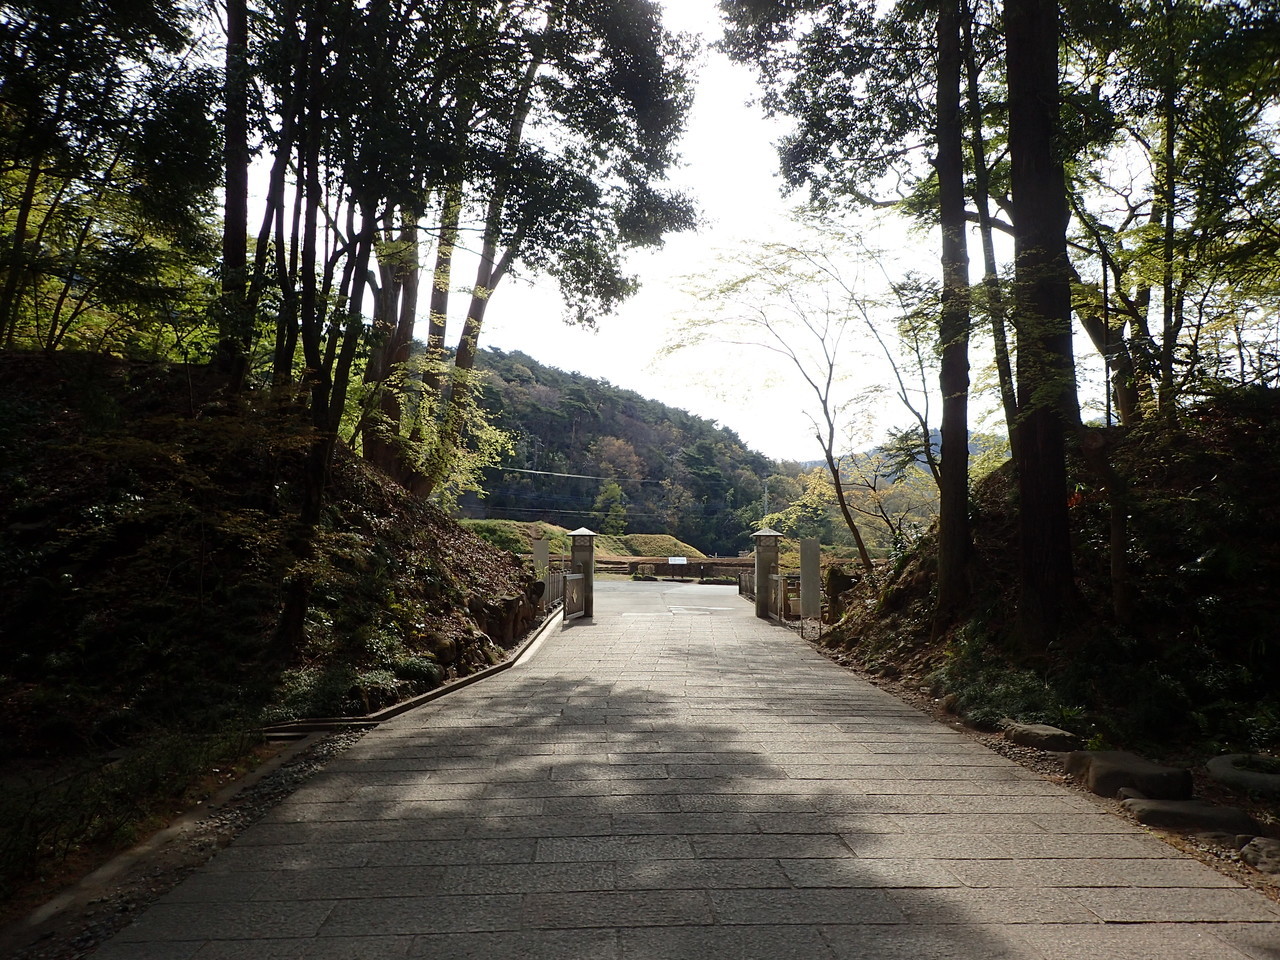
689	785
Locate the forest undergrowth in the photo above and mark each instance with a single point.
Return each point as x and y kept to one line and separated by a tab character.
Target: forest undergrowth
1186	668
147	537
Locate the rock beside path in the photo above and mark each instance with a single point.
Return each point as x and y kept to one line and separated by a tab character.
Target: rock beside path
1105	772
1190	815
1263	854
1226	770
1042	736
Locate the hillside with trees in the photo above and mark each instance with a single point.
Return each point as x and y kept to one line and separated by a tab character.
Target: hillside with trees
587	453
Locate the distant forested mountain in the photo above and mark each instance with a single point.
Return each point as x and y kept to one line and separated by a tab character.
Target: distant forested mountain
589	453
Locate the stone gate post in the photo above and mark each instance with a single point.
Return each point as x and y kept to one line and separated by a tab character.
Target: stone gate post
766	541
810	578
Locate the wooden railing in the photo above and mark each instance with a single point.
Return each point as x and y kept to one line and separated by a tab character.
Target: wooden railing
554	593
784	596
784	593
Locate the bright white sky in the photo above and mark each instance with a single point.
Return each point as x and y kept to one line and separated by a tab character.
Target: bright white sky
730	171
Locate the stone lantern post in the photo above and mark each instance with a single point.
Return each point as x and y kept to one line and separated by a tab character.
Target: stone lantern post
766	541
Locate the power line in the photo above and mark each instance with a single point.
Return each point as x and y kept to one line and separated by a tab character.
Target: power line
573	476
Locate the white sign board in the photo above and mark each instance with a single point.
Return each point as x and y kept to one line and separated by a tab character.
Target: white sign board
677	560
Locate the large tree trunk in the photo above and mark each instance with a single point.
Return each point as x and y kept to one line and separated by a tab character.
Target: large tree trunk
297	598
1042	305
236	326
953	329
492	268
395	308
1168	201
17	271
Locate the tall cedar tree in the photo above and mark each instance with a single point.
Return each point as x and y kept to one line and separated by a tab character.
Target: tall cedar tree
1042	316
953	326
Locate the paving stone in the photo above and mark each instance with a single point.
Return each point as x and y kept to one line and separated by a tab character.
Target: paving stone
903	846
1127	846
485	828
611	804
244	858
800	845
119	949
786	942
1127	942
615	909
1256	941
960	824
419	915
210	921
636	824
570	849
700	874
964	905
691	787
522	944
862	872
1179	905
427	853
928	942
811	906
310	948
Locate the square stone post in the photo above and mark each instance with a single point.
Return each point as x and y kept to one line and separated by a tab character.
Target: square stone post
766	541
810	578
582	559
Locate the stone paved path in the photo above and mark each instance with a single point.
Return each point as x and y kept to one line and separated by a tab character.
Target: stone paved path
681	780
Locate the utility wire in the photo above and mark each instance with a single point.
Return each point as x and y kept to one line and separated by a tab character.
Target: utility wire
574	476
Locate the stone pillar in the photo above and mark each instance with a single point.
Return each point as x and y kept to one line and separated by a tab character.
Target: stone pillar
810	578
582	560
541	566
766	541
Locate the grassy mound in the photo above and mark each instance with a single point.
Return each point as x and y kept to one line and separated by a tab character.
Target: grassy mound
518	537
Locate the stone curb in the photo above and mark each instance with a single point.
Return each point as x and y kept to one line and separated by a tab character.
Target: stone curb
370	720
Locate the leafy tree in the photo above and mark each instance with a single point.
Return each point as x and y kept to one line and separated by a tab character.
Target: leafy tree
616	457
563	122
870	94
798	302
107	164
1181	236
611	508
